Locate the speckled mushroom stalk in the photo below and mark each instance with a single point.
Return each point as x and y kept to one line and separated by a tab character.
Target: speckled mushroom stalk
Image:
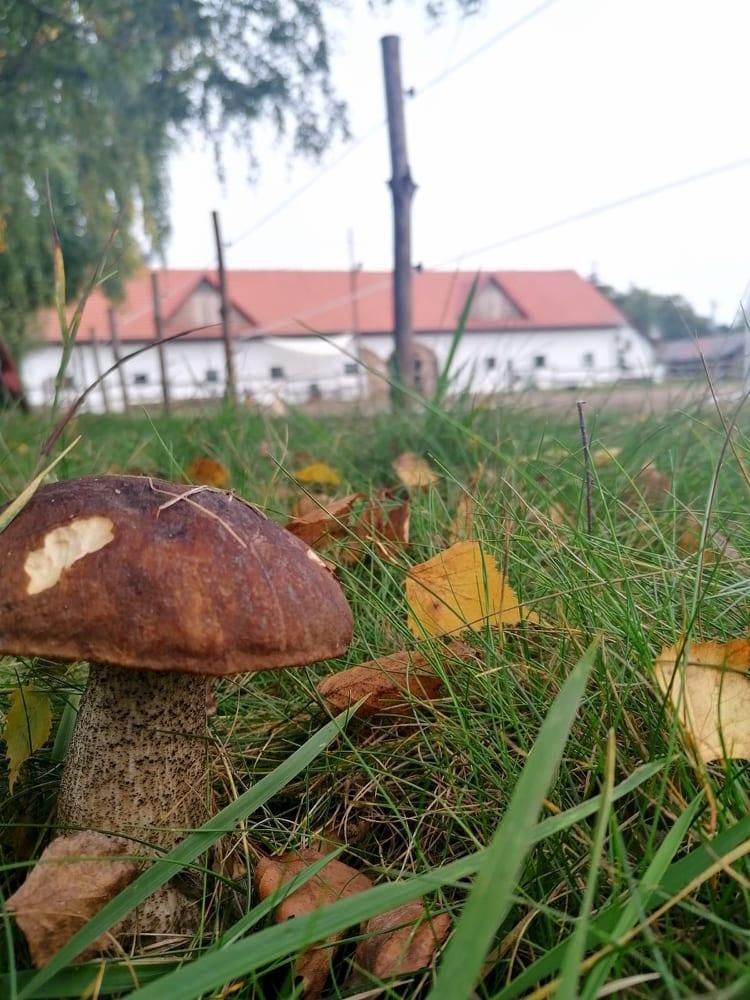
136	767
158	587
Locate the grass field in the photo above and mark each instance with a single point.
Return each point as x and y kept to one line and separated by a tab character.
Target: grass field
408	795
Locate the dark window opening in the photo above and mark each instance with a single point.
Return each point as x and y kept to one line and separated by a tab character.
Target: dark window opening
140	378
277	373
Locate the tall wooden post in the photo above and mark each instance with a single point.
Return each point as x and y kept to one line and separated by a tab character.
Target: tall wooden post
158	335
230	383
114	340
98	369
354	269
402	188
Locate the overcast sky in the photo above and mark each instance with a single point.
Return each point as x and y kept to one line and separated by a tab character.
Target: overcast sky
588	102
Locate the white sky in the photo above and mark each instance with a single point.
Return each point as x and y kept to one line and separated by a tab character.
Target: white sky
588	102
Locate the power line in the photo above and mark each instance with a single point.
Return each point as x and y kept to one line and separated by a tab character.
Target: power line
471	56
608	206
375	127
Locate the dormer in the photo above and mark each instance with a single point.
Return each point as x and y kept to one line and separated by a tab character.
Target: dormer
491	304
203	307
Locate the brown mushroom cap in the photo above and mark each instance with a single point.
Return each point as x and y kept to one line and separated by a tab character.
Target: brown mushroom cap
143	573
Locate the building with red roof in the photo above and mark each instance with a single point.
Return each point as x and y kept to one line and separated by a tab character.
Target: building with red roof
306	334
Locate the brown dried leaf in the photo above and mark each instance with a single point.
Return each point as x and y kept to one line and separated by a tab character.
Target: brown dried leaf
335	881
208	472
653	486
74	878
717	544
384	524
309	504
384	681
462	525
401	941
323	524
460	588
414	471
711	693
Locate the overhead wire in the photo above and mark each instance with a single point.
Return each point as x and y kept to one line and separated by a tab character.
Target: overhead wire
358	141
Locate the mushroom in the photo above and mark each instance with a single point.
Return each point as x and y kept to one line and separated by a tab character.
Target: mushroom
160	587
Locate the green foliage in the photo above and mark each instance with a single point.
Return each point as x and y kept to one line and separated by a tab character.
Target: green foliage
670	317
98	93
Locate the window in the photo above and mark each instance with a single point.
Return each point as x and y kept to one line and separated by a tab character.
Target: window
212	375
277	372
490	363
351	368
140	378
539	361
588	359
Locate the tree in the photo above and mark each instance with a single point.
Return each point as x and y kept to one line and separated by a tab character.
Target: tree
670	317
95	95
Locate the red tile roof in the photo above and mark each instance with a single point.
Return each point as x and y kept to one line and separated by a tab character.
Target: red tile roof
283	303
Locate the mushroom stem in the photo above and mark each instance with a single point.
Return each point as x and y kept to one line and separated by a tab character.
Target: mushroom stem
136	768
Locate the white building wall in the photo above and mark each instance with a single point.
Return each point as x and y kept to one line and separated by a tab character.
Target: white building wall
297	369
493	362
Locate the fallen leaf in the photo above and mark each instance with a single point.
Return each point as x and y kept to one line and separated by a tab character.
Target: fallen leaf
604	456
384	681
384	524
308	503
717	544
208	472
318	472
460	588
324	523
711	694
653	485
335	880
27	727
414	472
462	525
401	941
73	879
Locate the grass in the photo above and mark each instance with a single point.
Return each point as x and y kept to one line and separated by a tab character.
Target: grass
412	796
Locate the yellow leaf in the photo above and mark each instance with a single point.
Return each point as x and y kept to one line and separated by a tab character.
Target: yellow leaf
414	472
319	472
711	694
27	727
457	589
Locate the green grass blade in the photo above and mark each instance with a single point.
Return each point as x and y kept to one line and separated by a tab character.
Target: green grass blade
491	896
71	983
444	378
568	988
678	875
188	850
635	907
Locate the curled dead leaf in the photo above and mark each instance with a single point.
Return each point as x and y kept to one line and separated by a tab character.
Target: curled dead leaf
414	471
385	681
308	503
460	588
321	525
462	525
208	472
384	524
335	880
401	941
710	691
73	879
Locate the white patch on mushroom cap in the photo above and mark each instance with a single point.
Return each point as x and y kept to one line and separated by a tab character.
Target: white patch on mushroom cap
314	557
64	546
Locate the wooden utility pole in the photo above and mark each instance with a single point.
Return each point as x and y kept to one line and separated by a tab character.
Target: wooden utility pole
158	336
402	188
231	385
98	369
114	340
